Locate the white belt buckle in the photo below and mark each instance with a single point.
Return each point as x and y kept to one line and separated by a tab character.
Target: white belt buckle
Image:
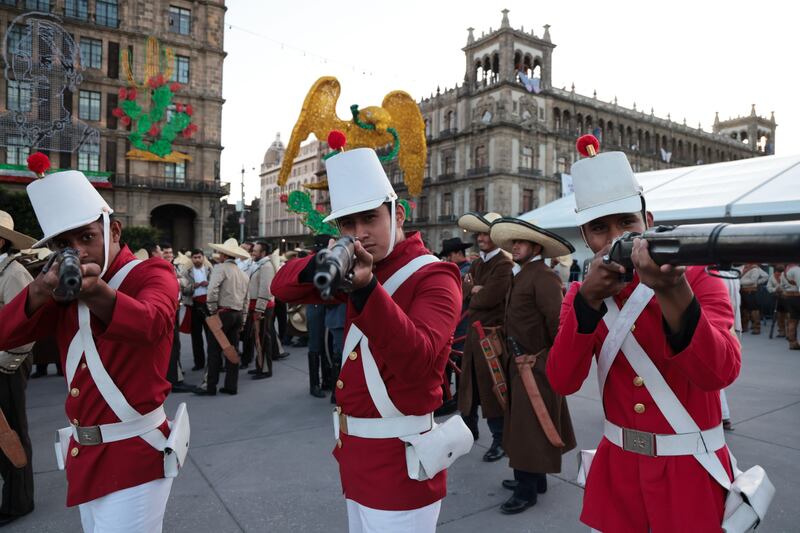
640	442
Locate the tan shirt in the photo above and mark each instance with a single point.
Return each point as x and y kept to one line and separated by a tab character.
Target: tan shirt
753	278
790	279
13	278
227	288
258	289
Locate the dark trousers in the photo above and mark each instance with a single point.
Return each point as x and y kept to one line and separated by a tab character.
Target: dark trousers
269	342
319	364
199	328
17	482
281	318
174	372
530	483
471	419
231	324
248	340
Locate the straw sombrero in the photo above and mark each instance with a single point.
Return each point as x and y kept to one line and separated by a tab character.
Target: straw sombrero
477	223
506	230
297	318
182	261
141	254
230	248
18	240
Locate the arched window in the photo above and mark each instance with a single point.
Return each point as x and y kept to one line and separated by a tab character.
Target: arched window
480	160
556	119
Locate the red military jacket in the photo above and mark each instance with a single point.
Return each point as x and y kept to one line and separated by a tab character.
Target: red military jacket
630	492
409	336
135	349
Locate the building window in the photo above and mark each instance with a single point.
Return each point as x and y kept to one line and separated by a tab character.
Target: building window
526	159
77	9
19	41
527	200
16	151
422	208
91	53
449	163
480	200
19	95
181	71
89	105
176	172
480	156
38	5
447	204
561	165
180	20
89	158
107	13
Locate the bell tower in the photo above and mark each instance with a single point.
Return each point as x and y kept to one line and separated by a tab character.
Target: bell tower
500	55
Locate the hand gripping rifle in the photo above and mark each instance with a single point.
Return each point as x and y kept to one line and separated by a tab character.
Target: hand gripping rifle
718	246
69	273
334	267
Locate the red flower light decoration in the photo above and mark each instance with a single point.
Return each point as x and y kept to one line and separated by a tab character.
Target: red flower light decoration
125	121
118	112
123	93
38	163
154	131
174	86
284	198
179	108
188	110
588	145
336	139
131	94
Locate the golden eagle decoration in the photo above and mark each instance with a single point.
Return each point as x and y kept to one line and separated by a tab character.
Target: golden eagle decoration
397	123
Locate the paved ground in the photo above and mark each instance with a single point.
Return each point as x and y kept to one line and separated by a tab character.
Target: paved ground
260	461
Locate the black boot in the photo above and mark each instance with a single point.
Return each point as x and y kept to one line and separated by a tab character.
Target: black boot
313	375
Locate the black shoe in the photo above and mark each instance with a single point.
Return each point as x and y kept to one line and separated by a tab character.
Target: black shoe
205	392
727	425
262	375
316	393
35	375
282	355
516	504
183	387
254	371
495	453
510	484
242	366
223	390
6	519
195	367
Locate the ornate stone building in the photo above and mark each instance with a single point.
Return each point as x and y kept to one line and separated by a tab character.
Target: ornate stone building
277	224
83	46
504	139
501	140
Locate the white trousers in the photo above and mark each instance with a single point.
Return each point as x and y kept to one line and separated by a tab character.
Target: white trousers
363	519
138	509
723	400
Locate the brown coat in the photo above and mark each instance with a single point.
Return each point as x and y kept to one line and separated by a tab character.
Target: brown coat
488	307
531	317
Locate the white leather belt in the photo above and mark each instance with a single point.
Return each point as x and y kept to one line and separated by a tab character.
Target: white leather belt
655	445
381	428
93	435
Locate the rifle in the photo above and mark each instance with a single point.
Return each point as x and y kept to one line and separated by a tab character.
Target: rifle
718	246
69	273
334	266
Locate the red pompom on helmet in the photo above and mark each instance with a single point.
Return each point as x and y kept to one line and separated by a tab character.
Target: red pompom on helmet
588	145
38	163
336	139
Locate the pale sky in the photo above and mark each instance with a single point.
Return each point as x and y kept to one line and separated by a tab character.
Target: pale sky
687	58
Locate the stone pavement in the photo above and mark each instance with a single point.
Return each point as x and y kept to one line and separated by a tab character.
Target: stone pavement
261	461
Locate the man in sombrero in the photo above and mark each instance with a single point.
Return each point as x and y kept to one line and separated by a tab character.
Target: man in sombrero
537	429
485	288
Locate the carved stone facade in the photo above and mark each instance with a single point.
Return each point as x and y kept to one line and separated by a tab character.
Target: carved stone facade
495	145
182	202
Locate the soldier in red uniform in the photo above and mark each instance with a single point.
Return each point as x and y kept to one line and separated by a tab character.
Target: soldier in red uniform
409	333
684	327
115	341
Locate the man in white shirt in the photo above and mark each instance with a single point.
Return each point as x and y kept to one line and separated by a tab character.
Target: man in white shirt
198	277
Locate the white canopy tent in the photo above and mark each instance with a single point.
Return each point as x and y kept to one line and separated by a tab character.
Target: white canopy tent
759	189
